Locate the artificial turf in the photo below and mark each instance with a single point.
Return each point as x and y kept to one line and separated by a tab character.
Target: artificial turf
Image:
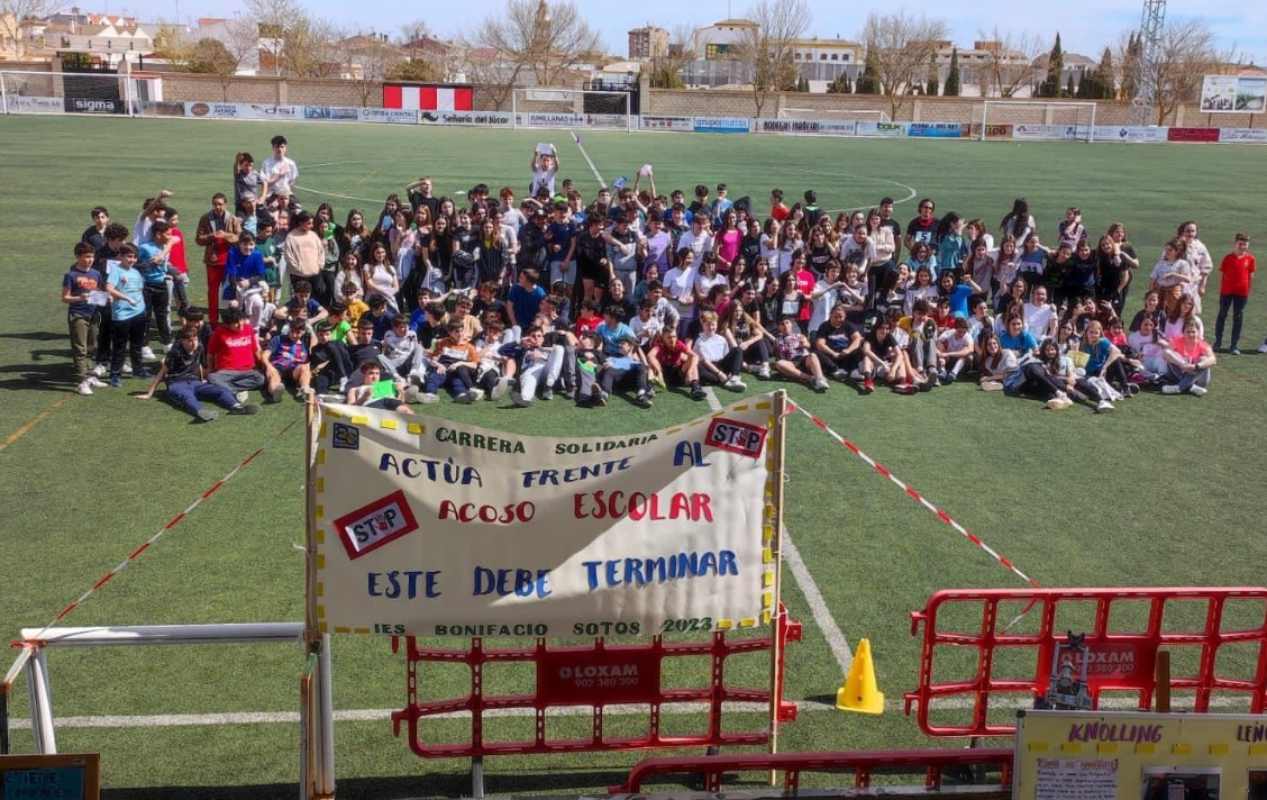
1166	491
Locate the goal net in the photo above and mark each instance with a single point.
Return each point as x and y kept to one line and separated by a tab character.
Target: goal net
572	108
856	114
1036	119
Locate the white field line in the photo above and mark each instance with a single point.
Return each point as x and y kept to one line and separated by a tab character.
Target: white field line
380	714
713	403
817	605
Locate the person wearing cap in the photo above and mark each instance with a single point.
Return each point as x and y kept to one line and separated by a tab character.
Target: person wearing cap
623	244
330	361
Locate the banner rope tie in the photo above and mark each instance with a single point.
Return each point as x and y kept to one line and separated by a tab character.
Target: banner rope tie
136	554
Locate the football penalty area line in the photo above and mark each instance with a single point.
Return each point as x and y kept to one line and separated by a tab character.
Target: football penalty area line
683	709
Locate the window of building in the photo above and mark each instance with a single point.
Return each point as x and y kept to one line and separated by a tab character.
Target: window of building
835	57
822	57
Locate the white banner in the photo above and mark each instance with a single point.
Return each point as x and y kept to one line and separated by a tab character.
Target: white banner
1250	135
1233	94
657	123
426	526
390	115
545	119
865	128
809	127
1130	133
501	119
242	111
1058	132
24	104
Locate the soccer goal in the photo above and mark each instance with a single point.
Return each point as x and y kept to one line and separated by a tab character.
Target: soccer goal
572	108
1038	119
849	114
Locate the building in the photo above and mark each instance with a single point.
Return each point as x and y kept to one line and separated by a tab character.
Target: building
107	41
648	42
826	59
717	41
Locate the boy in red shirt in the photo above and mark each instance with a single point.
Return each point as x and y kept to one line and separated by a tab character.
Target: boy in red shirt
238	363
1238	271
675	363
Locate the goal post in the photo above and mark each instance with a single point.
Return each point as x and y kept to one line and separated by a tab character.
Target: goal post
1039	119
533	107
95	93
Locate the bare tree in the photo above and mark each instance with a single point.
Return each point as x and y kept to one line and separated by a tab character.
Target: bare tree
666	69
1009	62
494	78
15	14
767	47
1183	56
311	50
538	37
366	60
902	45
277	21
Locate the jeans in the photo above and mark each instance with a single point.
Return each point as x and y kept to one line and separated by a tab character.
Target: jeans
156	306
612	379
1186	380
1038	383
128	337
83	343
456	379
731	364
1237	304
547	370
238	379
186	394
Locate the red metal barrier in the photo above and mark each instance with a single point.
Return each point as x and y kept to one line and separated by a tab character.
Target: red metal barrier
595	675
1118	661
932	763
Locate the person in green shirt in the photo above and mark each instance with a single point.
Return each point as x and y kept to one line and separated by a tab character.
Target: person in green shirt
376	391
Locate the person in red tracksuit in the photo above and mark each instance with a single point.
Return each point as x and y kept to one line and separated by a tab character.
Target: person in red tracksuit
217	231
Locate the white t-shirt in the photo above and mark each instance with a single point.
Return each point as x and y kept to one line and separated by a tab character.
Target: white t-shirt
646	331
281	173
822	305
543	177
1038	319
679	284
713	348
953	342
698	245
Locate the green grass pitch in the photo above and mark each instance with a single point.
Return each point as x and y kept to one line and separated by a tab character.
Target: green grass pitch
1166	491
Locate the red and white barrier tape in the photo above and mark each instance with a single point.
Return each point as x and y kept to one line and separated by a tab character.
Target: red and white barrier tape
136	554
941	514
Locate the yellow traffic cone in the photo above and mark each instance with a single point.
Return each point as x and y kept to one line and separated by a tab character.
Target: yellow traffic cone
859	691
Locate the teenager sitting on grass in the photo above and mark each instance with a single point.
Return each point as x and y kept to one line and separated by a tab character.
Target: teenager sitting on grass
187	387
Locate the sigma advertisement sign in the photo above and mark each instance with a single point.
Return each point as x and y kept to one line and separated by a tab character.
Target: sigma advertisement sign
501	119
720	124
938	130
93	105
1130	133
887	129
809	127
652	123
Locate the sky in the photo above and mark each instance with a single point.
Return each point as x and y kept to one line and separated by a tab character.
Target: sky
1086	26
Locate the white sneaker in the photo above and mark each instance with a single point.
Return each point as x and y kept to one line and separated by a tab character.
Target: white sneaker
83	387
821	384
1170	388
500	390
465	397
1103	406
127	367
763	372
147	354
241	396
1262	348
100	371
737	384
95	382
1058	403
476	394
411	394
428	397
1199	391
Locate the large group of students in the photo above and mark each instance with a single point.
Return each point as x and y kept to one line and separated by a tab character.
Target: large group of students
630	292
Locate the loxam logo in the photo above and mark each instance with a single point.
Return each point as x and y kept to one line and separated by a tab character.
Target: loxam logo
600	671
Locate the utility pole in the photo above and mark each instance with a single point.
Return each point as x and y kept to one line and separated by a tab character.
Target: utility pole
1150	24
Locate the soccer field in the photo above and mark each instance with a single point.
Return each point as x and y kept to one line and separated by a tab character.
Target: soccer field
1165	491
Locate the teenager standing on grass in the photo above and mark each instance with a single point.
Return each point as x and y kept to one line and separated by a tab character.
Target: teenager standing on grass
126	288
217	231
1237	269
81	286
280	172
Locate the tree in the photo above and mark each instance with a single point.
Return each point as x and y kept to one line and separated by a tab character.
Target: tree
494	77
934	79
15	14
538	37
1104	77
1130	53
767	47
666	69
416	69
278	20
952	77
1050	87
1070	88
311	50
868	81
1184	54
840	84
802	85
366	60
900	46
1009	62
